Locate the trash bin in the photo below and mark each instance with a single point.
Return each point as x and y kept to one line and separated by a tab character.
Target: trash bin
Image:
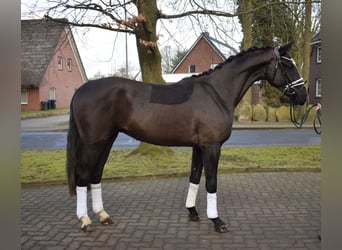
51	104
43	105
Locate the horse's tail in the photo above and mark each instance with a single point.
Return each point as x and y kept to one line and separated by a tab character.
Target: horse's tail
73	148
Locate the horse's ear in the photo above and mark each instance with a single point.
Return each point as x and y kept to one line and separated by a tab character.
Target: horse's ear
285	48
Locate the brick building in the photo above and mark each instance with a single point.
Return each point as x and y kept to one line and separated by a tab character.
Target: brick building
204	54
51	67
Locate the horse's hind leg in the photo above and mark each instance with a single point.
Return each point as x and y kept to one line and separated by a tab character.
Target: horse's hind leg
89	173
195	177
96	188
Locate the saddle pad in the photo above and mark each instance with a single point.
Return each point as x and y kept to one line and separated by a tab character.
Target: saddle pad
171	94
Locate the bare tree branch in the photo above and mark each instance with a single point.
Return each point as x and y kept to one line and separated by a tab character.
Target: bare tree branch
203	11
101	26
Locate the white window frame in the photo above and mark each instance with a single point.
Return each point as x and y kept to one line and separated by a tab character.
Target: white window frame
60	63
24	97
318	87
190	66
52	93
318	54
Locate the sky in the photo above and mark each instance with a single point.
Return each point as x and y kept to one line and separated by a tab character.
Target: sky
103	52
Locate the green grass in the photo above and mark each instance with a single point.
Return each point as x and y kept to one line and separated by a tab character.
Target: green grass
41	166
27	114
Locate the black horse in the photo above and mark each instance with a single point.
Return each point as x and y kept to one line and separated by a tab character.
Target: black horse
197	112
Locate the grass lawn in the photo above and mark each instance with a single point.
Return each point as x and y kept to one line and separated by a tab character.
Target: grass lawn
27	114
48	166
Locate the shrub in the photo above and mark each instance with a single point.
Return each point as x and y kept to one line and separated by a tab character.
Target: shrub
271	114
245	112
259	113
283	114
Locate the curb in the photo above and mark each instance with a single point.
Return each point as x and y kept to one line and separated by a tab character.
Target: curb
178	175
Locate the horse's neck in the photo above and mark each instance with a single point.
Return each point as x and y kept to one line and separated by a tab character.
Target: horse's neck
244	82
239	75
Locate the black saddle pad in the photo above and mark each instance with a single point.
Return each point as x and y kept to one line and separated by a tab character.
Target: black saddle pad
171	94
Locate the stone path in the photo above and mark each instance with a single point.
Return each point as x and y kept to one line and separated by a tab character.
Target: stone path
264	211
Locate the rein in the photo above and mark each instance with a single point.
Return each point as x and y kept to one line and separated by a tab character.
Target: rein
299	124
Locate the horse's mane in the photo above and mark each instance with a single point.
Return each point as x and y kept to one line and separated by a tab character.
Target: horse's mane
231	58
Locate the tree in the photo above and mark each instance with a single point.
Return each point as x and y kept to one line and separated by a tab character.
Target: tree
281	22
268	26
246	21
177	58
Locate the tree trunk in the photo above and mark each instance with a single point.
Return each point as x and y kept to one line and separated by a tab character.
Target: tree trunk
246	23
149	59
146	39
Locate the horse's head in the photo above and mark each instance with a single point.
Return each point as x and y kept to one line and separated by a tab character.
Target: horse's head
286	77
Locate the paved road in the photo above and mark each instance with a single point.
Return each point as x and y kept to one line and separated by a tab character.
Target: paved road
264	137
264	211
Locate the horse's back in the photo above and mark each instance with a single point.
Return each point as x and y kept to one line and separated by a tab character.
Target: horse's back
104	86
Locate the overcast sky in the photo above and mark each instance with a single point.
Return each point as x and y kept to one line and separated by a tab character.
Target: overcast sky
104	51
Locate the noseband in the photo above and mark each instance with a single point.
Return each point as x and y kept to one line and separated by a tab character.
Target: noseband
289	87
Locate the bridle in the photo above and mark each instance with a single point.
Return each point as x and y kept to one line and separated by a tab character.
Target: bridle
289	87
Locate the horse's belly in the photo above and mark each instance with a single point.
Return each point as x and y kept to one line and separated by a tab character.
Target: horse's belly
162	137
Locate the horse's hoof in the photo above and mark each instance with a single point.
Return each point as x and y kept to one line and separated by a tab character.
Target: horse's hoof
106	221
86	222
193	215
87	228
220	226
104	218
221	229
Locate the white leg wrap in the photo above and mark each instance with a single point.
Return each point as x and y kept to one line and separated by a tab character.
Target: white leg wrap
81	205
96	197
212	206
192	195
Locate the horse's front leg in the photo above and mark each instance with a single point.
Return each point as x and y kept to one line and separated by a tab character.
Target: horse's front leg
195	177
211	155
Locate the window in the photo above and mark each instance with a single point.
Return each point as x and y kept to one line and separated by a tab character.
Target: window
318	54
318	87
192	68
24	96
69	64
60	63
52	94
